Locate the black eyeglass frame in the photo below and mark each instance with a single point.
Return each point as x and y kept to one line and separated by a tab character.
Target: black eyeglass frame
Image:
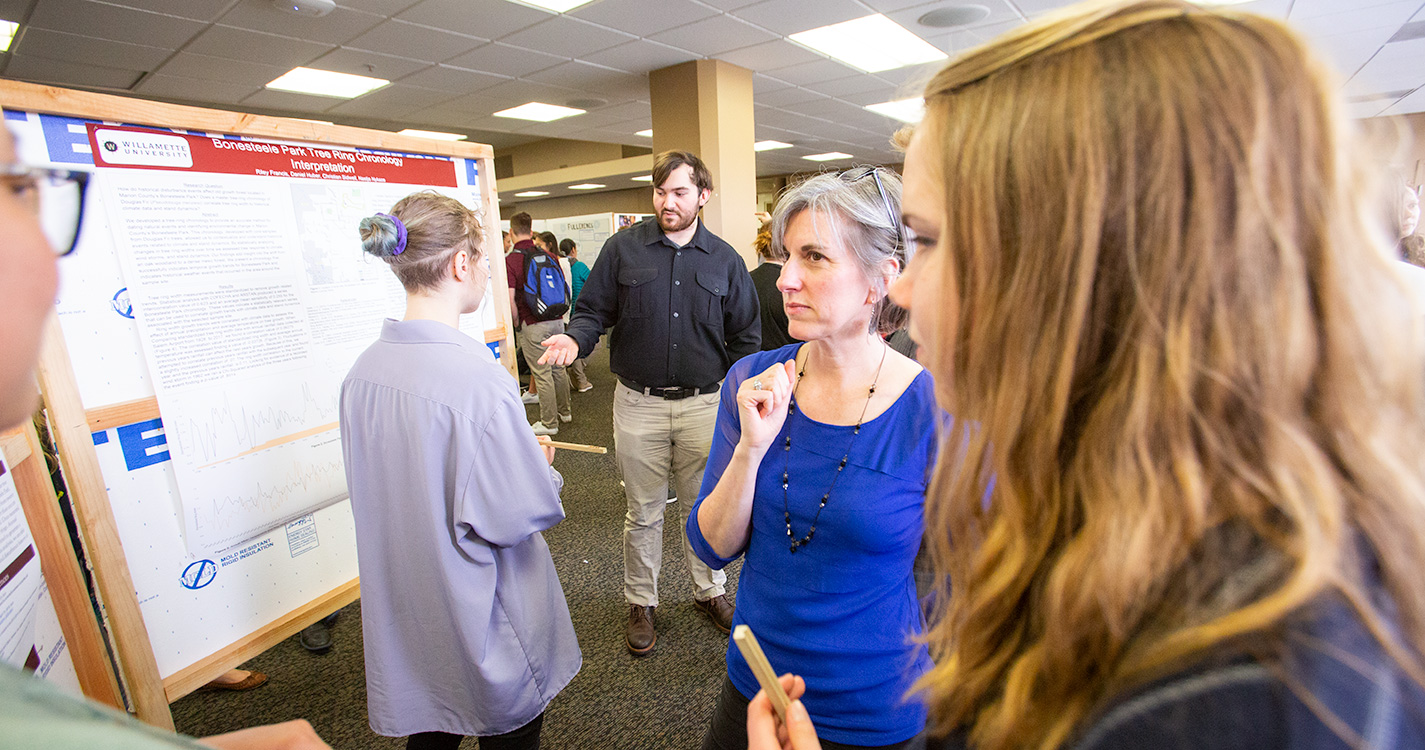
78	177
856	174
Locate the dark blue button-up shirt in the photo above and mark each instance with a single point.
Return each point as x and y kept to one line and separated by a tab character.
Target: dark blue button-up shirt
680	315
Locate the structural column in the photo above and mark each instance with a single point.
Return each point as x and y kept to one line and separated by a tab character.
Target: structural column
705	106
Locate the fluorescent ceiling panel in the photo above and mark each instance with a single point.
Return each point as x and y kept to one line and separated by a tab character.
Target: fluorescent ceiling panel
829	156
873	44
326	83
644	178
433	135
587	186
769	145
558	6
7	34
531	194
905	110
539	112
645	133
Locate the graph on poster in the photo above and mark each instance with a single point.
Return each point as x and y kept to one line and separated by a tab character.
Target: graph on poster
251	307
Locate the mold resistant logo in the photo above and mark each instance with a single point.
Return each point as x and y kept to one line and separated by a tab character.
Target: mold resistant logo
143	149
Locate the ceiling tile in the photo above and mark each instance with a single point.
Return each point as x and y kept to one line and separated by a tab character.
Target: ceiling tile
1306	9
190	65
578	75
194	89
113	23
1000	11
336	27
287	100
87	50
857	84
393	102
714	36
913	75
487	19
567	36
1412	103
640	56
504	60
762	83
789	95
379	7
1360	110
816	71
768	56
1389	16
198	10
791	16
1396	66
511	93
729	4
452	79
363	63
64	73
888	7
1347	53
414	41
241	44
642	18
640	111
824	108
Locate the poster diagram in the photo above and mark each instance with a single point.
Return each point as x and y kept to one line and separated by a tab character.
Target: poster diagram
253	299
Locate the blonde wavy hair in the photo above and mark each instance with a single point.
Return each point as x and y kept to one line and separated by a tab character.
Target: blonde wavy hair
1179	367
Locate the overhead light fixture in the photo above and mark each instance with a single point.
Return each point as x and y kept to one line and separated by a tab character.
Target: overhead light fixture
644	178
829	156
308	8
769	145
873	44
7	34
558	6
905	110
955	15
433	135
587	186
326	83
645	133
531	194
539	112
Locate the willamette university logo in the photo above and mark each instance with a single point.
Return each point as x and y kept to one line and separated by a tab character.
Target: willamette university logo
111	146
143	148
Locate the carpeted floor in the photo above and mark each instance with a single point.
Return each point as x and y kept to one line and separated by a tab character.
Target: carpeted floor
662	700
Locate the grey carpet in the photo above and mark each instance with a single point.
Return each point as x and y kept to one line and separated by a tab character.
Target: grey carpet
662	700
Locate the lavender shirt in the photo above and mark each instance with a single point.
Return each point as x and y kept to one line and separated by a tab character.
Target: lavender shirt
466	626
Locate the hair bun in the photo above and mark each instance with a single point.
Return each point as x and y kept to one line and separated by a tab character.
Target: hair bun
379	236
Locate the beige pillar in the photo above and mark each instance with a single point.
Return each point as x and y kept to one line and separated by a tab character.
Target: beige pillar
705	106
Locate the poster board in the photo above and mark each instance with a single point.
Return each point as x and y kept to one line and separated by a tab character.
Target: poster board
181	614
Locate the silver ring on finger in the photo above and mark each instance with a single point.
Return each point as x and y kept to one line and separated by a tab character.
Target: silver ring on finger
757	385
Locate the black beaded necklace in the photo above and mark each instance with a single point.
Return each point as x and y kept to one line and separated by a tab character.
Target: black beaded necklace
787	453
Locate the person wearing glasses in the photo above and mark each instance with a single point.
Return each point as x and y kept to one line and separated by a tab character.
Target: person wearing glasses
818	474
1195	411
34	714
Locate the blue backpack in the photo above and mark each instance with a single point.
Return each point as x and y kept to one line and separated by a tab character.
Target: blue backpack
545	292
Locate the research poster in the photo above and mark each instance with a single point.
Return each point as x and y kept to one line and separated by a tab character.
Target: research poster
253	298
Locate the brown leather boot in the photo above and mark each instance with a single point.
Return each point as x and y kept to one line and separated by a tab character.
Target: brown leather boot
719	610
641	635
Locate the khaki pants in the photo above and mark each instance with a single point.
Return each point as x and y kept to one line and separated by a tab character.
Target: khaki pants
551	380
658	440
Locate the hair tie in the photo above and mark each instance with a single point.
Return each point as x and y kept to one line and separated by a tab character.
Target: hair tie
400	234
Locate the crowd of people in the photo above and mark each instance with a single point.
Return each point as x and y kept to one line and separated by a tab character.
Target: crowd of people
1160	437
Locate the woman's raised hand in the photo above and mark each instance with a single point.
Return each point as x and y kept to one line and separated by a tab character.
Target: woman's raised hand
762	402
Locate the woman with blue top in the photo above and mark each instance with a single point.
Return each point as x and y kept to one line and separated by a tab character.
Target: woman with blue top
466	627
818	474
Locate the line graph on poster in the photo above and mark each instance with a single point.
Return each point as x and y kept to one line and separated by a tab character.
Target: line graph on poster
246	417
244	501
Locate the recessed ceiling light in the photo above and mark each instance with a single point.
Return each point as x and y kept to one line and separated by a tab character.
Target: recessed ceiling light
531	194
769	145
955	15
7	34
558	6
539	112
829	156
326	83
587	186
905	110
645	133
433	135
644	178
873	44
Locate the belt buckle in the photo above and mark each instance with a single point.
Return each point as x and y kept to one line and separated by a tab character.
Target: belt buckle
674	393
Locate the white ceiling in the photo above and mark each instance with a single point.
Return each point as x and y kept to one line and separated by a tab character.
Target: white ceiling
454	62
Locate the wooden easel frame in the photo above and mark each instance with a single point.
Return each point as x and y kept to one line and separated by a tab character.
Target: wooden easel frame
71	424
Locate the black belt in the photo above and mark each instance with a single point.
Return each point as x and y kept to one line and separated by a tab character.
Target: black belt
672	392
